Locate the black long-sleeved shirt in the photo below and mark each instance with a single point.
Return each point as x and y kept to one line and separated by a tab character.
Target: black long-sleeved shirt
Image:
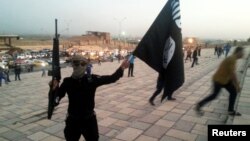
195	53
81	92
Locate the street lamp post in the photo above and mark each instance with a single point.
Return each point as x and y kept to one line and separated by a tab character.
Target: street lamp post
67	24
120	26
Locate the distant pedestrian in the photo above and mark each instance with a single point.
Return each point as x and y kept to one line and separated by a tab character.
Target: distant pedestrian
199	50
2	76
131	66
89	68
225	77
17	71
195	57
216	50
7	71
189	54
27	67
99	61
31	67
119	58
220	51
227	48
43	72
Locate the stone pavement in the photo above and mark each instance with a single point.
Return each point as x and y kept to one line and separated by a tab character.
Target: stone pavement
122	108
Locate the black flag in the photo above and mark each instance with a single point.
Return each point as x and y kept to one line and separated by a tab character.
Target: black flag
161	47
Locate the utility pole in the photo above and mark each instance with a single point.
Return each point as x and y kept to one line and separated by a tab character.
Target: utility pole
120	26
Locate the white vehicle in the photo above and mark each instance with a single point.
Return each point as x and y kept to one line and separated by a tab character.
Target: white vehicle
3	64
40	63
6	57
60	61
21	56
28	61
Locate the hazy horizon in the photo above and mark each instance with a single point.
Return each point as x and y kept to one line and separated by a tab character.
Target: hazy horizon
207	19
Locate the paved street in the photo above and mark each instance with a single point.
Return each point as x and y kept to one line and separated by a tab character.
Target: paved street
122	108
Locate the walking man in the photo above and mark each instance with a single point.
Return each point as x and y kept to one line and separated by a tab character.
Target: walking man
189	54
227	49
195	57
7	71
225	77
43	72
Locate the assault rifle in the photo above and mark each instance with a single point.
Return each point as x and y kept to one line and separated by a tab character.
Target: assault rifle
56	75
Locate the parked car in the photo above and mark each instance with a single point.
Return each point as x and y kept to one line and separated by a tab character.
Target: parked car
2	65
40	63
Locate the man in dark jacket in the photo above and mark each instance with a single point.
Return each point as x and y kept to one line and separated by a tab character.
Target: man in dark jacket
17	70
81	117
195	57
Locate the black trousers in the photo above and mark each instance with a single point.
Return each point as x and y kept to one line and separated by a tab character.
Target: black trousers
195	60
188	57
17	76
75	127
216	89
131	70
159	88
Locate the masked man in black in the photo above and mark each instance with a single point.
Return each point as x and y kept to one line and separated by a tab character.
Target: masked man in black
81	88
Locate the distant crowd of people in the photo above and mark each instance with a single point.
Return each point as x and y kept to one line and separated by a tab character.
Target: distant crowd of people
219	50
193	55
4	73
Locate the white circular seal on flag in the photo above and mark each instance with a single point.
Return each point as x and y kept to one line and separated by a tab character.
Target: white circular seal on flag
168	51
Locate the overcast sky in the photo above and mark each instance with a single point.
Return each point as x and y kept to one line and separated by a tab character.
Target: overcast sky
224	19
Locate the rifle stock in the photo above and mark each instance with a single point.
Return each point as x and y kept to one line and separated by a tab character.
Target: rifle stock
56	75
